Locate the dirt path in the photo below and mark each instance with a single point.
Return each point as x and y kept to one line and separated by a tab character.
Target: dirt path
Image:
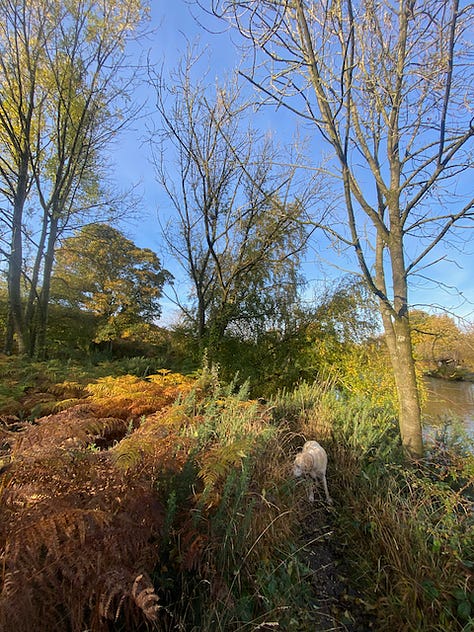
338	604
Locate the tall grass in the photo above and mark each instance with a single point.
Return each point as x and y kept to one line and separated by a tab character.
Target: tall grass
236	565
406	530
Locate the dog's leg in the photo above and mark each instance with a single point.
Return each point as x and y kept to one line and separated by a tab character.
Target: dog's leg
313	480
326	491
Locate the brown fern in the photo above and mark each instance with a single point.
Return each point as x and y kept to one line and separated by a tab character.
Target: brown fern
60	560
71	523
83	521
71	429
80	533
156	445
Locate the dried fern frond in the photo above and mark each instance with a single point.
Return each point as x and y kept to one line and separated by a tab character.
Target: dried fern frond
143	594
53	545
71	429
122	585
193	545
79	536
9	438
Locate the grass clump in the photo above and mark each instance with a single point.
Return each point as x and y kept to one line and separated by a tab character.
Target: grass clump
407	529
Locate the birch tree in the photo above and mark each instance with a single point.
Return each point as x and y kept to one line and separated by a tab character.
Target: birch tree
387	85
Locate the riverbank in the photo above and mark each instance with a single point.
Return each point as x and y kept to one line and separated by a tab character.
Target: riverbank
455	374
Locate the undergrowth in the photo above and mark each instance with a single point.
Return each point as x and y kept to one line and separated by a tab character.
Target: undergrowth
157	502
166	502
30	390
406	530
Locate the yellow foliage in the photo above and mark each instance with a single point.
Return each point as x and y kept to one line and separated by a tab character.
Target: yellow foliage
64	404
68	390
155	445
166	379
113	386
367	372
129	396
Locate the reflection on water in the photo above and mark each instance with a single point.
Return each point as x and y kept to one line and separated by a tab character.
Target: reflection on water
448	400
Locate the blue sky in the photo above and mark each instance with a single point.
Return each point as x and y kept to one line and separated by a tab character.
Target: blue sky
174	29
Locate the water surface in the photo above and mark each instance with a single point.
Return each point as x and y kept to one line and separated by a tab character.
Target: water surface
448	400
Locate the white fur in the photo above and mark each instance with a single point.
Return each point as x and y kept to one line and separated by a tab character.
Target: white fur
312	461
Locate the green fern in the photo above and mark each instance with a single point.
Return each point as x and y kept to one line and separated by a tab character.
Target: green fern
220	460
65	404
130	452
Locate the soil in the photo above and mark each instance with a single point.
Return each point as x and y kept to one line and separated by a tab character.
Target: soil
339	605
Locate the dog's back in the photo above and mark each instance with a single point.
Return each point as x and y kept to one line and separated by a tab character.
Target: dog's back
318	455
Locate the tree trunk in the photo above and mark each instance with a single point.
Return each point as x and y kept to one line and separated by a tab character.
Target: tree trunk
397	335
43	303
15	262
33	296
9	336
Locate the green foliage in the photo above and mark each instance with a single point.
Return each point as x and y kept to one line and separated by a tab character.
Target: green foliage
464	604
284	581
70	331
370	432
328	340
99	270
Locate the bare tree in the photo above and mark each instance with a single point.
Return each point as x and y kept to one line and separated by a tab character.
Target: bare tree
387	86
237	226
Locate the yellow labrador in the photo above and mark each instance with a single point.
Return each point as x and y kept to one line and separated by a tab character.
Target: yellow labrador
312	461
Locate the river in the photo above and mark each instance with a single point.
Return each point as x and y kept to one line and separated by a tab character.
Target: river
448	400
